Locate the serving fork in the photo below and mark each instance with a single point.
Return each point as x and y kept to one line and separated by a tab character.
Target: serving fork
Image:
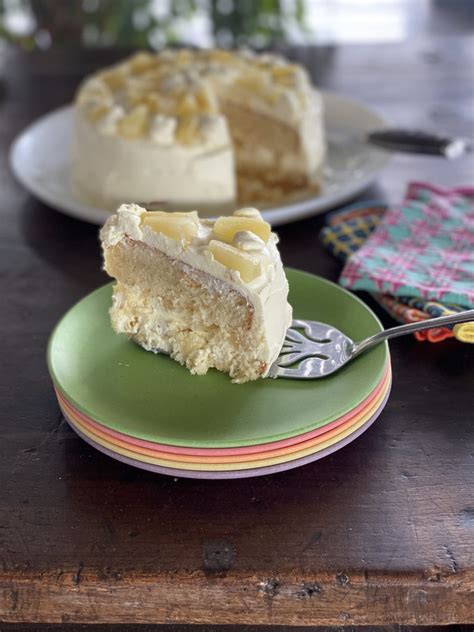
313	350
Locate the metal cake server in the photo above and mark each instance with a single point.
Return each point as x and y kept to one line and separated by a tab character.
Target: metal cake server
312	350
405	141
419	142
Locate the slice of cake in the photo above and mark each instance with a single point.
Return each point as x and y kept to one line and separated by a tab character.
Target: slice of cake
209	293
232	125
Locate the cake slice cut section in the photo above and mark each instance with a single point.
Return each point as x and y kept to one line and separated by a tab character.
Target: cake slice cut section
211	294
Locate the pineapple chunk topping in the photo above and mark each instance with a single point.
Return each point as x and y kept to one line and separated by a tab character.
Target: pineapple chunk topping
154	102
283	71
226	227
187	105
142	61
115	77
94	112
188	130
135	124
220	55
183	56
94	90
253	82
179	226
206	100
233	258
184	84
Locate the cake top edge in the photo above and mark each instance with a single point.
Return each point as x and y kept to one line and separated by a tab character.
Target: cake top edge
176	95
241	247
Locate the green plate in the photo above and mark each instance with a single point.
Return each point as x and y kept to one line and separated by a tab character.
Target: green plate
151	397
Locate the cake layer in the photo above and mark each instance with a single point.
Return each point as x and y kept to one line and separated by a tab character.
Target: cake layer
200	321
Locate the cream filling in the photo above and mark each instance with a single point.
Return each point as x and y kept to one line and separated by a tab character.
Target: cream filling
267	293
158	320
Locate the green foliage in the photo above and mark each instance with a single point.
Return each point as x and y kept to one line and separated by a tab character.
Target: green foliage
137	23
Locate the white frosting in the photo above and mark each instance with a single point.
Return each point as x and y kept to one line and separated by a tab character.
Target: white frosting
109	170
213	130
108	124
267	293
248	241
163	129
172	82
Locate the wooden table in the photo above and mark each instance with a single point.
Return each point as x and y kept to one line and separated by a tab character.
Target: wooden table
378	533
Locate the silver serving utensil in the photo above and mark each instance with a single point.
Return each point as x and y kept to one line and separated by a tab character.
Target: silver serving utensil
312	350
404	141
419	142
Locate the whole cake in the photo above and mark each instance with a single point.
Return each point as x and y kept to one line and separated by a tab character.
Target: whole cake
190	127
209	293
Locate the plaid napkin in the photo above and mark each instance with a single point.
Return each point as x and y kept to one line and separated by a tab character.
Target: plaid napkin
348	231
423	248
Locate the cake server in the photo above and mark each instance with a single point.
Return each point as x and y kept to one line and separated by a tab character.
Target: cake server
312	350
406	141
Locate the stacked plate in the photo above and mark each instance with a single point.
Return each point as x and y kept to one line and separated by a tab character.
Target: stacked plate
150	412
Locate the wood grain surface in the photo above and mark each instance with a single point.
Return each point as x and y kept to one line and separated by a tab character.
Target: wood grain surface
380	533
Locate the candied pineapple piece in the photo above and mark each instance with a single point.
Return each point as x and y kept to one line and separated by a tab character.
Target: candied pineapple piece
94	112
206	100
283	71
221	56
135	97
257	83
289	76
187	105
158	104
188	130
226	227
153	101
114	78
183	57
251	81
152	76
135	123
136	90
175	225
173	82
235	259
142	61
94	90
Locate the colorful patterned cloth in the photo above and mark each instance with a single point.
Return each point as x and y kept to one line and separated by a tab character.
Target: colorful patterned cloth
424	248
347	231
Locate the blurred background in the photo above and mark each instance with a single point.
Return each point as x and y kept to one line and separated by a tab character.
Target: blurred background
42	24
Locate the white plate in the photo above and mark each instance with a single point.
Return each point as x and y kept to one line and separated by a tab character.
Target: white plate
40	160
